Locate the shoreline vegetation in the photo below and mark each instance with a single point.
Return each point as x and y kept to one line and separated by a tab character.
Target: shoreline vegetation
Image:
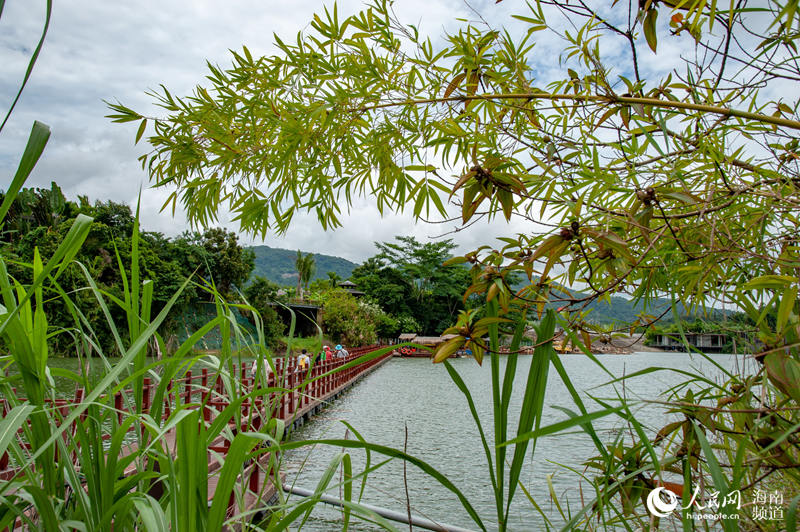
682	182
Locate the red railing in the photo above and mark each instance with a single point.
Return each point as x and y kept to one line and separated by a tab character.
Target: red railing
296	389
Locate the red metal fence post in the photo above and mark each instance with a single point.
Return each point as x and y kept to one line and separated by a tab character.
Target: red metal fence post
187	388
118	406
4	458
290	371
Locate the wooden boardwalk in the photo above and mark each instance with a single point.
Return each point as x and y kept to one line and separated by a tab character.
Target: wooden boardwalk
291	394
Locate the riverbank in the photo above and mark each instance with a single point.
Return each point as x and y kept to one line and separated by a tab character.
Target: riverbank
624	345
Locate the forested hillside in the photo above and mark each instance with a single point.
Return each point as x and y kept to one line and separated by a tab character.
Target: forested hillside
277	265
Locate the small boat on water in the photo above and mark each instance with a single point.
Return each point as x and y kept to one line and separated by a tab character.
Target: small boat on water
430	342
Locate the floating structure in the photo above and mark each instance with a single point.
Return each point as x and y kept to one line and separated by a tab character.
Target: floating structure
705	342
431	342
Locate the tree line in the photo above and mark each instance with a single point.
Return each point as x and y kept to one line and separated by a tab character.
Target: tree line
406	286
39	219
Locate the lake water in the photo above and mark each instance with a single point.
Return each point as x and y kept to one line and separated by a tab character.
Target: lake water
441	431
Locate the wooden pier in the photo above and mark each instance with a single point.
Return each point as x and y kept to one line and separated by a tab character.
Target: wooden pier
295	393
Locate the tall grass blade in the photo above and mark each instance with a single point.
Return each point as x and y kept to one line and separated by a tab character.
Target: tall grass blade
240	447
574	420
32	62
65	252
367	462
720	482
791	515
151	514
459	382
115	372
37	140
576	398
11	423
394	453
532	401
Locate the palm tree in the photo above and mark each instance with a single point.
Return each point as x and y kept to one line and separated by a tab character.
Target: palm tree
305	270
334	279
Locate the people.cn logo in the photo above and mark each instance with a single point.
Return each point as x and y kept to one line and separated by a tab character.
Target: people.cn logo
661	505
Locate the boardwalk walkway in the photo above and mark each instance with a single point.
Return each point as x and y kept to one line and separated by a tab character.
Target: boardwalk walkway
292	394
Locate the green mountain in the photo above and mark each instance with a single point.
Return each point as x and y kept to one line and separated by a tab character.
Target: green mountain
622	310
277	265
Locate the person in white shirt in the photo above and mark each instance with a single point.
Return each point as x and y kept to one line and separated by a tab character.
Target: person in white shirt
304	359
341	352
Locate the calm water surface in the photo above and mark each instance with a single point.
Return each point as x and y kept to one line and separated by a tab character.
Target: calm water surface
441	431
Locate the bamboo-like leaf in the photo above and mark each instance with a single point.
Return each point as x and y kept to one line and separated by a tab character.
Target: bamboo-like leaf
771	282
788	301
11	423
649	28
445	350
37	140
140	131
548	245
454	83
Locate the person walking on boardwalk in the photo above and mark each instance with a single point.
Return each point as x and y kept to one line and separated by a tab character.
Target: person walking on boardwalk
264	366
303	359
341	352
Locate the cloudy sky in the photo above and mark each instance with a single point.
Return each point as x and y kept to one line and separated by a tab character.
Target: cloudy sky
105	50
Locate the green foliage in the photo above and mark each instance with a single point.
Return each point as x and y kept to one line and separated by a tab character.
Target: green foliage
408	278
347	321
305	270
386	286
42	218
227	264
262	294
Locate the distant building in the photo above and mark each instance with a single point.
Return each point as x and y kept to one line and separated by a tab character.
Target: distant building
351	288
705	342
305	316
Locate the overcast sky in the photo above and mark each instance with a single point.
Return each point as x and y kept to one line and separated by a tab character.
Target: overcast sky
106	50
